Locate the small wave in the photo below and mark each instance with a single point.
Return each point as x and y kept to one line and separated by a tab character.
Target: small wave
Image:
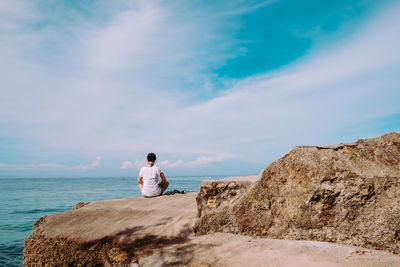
33	211
11	254
22	227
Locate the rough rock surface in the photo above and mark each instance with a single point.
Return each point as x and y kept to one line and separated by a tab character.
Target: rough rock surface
217	193
110	233
348	194
159	232
80	205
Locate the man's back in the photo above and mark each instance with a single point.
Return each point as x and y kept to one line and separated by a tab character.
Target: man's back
150	180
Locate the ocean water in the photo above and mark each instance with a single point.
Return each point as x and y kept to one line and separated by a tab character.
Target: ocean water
24	200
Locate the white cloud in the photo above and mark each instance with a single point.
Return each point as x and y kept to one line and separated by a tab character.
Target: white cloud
203	161
126	41
120	89
168	164
198	162
12	13
127	165
94	164
244	9
108	72
132	165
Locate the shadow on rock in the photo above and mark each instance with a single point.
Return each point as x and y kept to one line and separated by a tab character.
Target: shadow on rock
155	250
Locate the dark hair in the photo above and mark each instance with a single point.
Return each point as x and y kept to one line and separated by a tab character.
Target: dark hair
151	157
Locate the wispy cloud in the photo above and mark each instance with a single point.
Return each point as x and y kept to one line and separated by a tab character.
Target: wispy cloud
139	81
242	8
89	166
198	162
94	164
168	164
139	43
132	165
204	161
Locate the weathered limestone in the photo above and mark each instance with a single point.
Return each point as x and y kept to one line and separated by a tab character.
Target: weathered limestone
216	193
158	232
348	194
110	233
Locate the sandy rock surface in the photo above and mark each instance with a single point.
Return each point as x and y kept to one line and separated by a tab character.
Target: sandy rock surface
112	233
227	250
158	232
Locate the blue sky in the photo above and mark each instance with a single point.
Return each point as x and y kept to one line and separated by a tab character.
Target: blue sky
213	87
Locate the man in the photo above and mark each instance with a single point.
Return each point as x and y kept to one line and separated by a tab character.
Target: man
148	178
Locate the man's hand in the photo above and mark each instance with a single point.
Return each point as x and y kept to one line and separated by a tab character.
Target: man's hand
140	182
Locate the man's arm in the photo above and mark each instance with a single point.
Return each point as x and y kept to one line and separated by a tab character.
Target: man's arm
164	183
140	182
163	179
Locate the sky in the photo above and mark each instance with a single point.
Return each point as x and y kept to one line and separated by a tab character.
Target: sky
88	88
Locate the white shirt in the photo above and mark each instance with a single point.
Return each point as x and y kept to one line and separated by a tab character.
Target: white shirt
150	180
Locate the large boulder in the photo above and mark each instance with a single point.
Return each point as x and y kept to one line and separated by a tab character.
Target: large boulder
347	193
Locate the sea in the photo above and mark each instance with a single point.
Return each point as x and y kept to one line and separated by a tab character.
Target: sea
25	200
